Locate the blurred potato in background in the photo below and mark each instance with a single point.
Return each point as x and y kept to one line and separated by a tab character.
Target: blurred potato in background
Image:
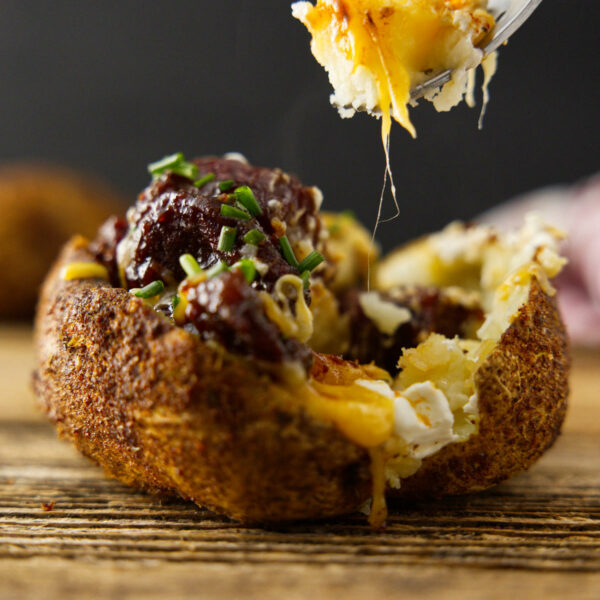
42	207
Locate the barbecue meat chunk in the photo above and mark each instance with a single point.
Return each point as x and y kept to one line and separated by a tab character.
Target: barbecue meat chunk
172	216
449	312
227	310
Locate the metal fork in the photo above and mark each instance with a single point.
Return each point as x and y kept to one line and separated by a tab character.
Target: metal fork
517	12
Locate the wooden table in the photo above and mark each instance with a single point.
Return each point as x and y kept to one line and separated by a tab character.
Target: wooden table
67	532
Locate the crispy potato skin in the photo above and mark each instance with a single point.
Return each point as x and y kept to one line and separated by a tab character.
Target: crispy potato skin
522	389
160	410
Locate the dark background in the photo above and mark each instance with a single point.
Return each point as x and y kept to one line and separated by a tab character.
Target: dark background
110	86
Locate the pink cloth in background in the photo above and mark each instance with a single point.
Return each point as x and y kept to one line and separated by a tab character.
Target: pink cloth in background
575	210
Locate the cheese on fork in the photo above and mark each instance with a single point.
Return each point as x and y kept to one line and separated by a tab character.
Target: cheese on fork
376	51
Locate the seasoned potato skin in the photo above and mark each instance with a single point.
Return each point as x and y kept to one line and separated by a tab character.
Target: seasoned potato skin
160	410
522	389
163	411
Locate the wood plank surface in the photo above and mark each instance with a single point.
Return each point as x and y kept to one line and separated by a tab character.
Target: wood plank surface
68	532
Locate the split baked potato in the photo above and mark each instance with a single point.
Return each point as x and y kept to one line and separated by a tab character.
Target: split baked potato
233	382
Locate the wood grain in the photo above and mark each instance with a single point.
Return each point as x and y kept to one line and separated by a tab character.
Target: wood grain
538	534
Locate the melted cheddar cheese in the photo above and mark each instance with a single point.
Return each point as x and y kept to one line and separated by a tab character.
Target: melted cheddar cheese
84	270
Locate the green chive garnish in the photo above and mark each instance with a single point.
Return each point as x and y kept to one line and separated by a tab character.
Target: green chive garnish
175	301
226	185
190	265
314	259
305	278
248	268
158	167
151	290
186	169
254	237
227	238
287	251
204	180
217	268
175	163
245	196
233	212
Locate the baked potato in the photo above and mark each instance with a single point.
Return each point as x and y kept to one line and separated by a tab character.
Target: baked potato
214	384
42	207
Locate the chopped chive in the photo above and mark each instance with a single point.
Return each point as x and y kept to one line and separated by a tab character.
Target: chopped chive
190	265
175	301
204	180
217	268
175	163
248	268
234	202
160	166
348	214
151	290
313	260
185	169
245	196
305	278
227	238
287	251
233	212
226	185
254	237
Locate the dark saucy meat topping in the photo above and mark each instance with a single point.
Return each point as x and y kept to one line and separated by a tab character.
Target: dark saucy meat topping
432	310
226	309
176	215
104	247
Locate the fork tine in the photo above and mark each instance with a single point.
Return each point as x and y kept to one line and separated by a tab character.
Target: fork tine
516	13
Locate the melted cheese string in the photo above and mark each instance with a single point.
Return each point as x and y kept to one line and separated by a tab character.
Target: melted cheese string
489	66
300	325
378	513
385	138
